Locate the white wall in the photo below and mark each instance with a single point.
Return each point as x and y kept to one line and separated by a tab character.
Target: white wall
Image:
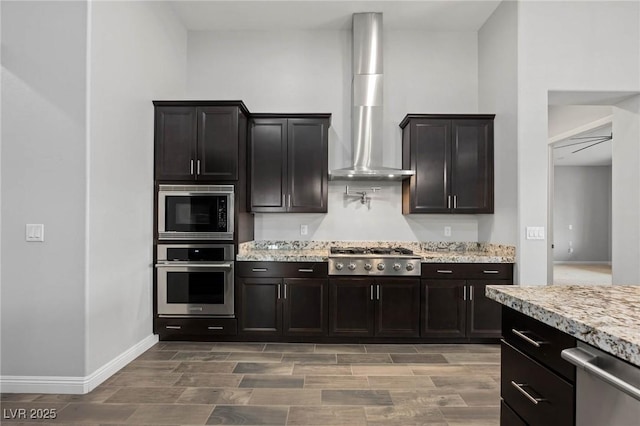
310	71
138	53
498	93
625	198
43	181
563	46
565	118
581	200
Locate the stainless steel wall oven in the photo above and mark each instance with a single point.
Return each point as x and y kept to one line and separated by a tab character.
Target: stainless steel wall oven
195	212
195	280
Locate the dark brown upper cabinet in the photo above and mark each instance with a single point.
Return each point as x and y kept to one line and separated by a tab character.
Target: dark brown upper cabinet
452	156
288	163
198	141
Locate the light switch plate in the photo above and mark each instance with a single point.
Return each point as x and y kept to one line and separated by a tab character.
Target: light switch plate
34	232
447	231
304	229
535	232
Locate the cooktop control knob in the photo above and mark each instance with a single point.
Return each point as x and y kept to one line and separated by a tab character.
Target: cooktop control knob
410	266
380	266
396	266
352	266
339	266
367	266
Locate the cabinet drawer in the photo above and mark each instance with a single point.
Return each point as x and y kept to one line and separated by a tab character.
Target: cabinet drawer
508	417
540	341
174	328
468	271
539	396
282	269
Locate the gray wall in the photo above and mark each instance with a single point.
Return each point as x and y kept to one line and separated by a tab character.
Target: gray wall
582	197
310	71
498	93
152	43
43	181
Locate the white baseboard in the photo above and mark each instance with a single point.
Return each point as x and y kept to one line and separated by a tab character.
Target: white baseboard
75	385
582	262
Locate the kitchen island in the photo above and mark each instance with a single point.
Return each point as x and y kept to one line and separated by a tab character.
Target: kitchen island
548	331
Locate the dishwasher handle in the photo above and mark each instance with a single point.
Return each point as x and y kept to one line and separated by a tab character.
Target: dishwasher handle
587	361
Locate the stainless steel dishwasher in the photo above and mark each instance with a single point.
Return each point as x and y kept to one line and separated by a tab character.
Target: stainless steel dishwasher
607	388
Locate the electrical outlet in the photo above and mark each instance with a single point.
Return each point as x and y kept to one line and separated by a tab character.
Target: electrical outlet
304	229
447	231
34	232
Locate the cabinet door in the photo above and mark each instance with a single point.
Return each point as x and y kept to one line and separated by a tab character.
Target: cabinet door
472	166
398	307
307	165
268	165
430	158
175	143
305	306
351	307
217	143
444	311
260	308
484	315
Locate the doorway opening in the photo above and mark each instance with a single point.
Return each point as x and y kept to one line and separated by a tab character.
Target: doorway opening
582	136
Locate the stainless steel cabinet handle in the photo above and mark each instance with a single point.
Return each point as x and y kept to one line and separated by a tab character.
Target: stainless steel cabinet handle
259	270
285	291
195	265
470	293
196	308
520	387
284	201
289	200
198	167
490	271
588	362
279	294
464	293
305	270
444	271
378	292
371	288
173	327
527	339
455	201
448	201
215	327
191	167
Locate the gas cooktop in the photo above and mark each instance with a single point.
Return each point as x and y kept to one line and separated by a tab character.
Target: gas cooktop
371	251
392	261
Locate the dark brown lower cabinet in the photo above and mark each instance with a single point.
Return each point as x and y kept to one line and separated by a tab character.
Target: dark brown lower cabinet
454	305
444	312
537	386
283	306
365	307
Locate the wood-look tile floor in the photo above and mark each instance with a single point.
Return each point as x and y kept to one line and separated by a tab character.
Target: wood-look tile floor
185	383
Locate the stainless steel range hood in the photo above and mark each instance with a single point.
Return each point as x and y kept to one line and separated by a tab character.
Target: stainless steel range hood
366	110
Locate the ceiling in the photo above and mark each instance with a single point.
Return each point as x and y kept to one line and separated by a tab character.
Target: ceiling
449	15
591	148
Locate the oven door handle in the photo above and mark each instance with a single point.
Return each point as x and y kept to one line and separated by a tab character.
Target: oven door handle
195	265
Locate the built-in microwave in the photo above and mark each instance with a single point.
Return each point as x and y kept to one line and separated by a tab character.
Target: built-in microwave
195	212
195	280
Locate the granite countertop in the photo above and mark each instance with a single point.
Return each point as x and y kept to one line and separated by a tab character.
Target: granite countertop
607	317
430	252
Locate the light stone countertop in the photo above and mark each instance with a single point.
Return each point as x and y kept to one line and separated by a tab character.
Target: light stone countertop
607	317
430	252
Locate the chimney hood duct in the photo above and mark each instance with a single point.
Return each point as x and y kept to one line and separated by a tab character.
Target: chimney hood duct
366	110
